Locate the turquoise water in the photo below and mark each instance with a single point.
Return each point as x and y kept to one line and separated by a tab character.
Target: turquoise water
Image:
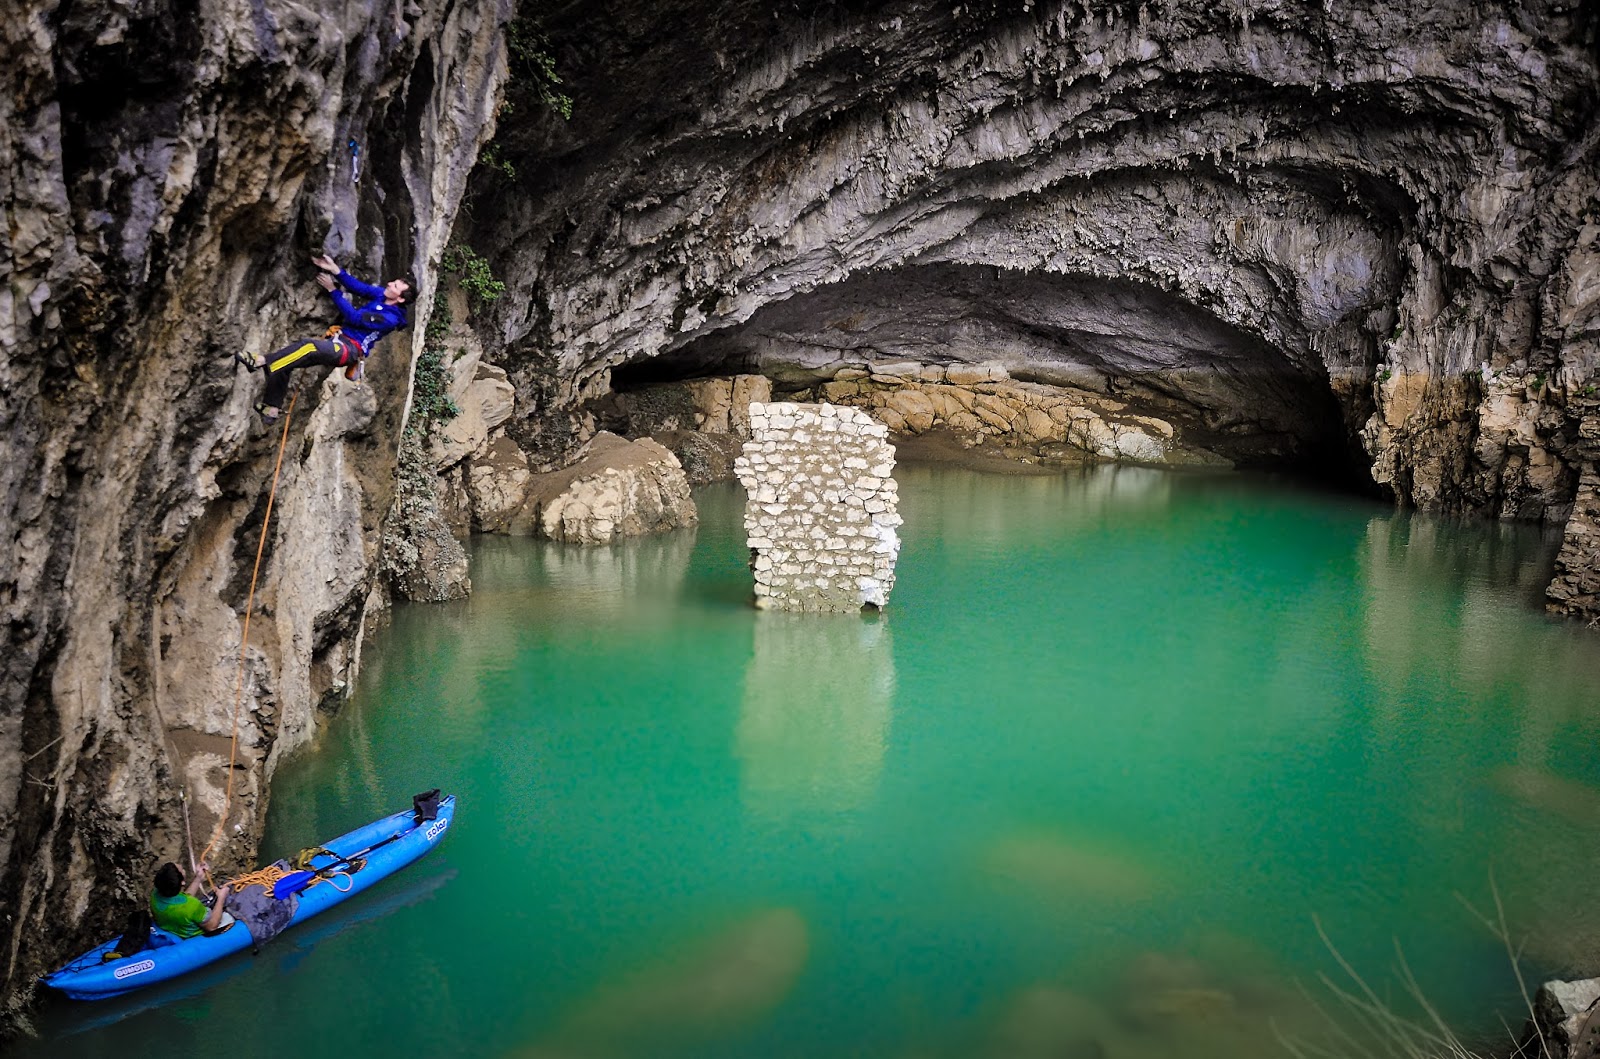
1120	742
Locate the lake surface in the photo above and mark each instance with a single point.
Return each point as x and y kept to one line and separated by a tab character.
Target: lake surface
1120	742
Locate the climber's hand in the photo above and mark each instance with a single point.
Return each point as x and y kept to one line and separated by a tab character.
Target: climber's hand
326	264
326	281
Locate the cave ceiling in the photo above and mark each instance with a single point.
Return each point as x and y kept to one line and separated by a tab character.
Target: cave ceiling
1255	210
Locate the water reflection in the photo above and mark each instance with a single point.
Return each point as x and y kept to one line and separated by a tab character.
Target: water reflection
1451	615
818	699
1013	510
629	581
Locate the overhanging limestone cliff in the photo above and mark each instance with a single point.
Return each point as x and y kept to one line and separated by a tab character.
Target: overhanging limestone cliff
166	170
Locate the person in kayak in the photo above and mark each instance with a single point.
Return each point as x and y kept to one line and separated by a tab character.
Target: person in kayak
377	311
181	912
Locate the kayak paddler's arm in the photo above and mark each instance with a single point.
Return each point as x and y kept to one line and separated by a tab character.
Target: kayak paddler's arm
214	920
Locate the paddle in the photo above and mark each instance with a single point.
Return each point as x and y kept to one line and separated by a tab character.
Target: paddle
296	881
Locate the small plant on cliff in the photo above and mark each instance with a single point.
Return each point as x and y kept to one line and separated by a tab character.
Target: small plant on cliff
493	157
532	85
533	68
472	272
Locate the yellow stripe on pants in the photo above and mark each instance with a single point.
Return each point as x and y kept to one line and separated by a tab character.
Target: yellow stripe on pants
284	362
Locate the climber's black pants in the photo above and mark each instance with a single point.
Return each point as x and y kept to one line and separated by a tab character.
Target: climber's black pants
306	353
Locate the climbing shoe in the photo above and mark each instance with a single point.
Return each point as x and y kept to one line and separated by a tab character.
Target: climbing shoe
268	414
250	360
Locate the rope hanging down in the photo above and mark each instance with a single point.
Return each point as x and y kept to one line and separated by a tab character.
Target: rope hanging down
244	639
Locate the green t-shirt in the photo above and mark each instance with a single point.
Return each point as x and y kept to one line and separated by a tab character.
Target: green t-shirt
182	915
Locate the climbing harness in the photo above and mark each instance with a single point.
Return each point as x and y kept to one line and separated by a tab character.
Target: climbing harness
244	638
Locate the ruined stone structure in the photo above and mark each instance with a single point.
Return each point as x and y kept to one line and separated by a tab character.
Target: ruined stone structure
821	507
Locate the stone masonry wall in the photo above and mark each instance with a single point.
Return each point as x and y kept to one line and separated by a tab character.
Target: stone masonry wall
820	512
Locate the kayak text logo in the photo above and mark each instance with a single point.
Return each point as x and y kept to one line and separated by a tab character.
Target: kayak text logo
436	830
134	968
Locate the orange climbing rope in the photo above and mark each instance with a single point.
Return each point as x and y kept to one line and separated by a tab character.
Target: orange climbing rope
244	639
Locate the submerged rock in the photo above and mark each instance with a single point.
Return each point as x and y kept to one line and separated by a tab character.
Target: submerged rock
709	990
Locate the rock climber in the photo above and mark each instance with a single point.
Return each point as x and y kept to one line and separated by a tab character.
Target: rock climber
181	912
379	310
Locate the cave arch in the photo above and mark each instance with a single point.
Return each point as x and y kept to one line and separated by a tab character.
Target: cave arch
1226	389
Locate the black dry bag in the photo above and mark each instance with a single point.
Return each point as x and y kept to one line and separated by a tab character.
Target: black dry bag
135	937
427	805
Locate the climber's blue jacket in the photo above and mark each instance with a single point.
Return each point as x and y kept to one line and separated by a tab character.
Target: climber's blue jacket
368	322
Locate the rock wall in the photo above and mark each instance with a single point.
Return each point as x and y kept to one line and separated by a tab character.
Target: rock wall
1575	589
618	489
166	169
1359	236
705	422
821	507
982	407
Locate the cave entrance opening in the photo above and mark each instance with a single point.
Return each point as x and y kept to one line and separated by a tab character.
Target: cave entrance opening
1039	362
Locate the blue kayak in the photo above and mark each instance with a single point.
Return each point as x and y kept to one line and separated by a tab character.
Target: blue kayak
385	846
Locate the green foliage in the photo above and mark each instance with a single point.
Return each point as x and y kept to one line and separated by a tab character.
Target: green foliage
472	272
430	391
416	503
494	159
439	321
431	403
532	67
